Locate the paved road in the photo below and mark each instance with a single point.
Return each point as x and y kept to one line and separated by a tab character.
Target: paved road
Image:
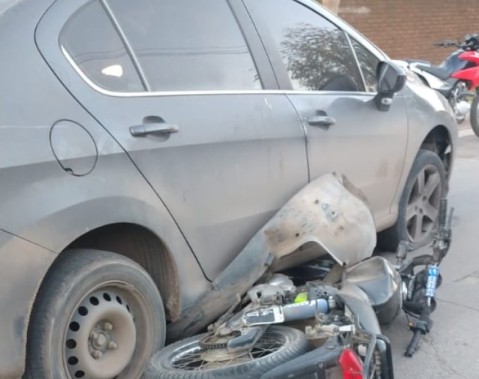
451	350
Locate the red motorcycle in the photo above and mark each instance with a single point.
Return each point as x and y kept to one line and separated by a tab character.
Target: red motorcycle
457	78
472	76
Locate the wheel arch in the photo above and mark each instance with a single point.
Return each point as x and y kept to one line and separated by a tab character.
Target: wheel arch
145	248
138	229
439	141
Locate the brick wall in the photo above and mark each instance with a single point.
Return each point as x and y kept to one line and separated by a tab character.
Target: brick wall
408	28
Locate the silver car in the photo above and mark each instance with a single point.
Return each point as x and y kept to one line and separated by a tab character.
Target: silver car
143	143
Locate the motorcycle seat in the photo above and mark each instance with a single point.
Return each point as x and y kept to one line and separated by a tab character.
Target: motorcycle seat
436	71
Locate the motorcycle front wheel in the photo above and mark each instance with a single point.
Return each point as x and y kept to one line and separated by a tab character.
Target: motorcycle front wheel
188	358
475	115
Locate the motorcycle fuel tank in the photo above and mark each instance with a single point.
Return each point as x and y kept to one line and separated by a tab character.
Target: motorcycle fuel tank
381	282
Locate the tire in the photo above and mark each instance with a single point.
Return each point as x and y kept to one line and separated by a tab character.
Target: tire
290	343
97	315
419	205
475	115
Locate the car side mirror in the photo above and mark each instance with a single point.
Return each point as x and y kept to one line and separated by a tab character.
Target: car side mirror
391	79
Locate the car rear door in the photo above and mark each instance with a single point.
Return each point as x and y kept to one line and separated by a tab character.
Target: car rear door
178	86
318	64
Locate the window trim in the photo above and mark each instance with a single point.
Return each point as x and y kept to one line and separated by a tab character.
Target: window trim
358	65
103	91
126	43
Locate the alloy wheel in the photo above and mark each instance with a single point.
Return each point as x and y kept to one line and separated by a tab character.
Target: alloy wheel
423	204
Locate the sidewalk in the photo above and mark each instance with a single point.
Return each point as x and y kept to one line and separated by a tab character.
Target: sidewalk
465	129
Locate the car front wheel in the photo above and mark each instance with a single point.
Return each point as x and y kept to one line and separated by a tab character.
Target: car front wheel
419	203
97	315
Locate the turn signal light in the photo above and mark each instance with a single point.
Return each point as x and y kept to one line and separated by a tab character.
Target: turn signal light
351	365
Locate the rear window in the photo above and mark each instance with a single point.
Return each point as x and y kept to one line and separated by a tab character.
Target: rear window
91	40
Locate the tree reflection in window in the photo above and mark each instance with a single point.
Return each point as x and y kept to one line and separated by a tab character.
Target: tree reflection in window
319	59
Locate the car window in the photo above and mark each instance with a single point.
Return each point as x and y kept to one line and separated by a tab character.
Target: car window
187	45
368	63
317	55
93	43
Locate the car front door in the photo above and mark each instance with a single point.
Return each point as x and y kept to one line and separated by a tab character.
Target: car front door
175	83
331	79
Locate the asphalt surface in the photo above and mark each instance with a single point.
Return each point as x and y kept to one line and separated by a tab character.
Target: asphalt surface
451	350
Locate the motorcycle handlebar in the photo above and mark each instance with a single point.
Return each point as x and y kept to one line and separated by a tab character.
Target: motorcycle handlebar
471	42
446	43
411	348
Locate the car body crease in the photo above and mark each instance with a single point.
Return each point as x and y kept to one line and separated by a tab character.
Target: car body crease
306	140
27	240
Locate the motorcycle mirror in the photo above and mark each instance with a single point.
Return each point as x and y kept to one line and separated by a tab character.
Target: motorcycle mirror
391	79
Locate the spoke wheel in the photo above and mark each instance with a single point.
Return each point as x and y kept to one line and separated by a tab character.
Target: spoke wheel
189	358
193	357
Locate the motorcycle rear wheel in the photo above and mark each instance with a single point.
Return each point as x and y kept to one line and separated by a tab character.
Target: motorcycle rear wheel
185	359
475	116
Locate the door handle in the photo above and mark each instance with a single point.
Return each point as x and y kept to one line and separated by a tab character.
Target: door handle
324	121
153	128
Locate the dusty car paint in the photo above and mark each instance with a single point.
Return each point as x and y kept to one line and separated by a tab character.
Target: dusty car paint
42	203
22	265
32	181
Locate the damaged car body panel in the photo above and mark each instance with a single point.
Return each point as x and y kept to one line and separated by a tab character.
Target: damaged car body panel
340	316
329	212
250	299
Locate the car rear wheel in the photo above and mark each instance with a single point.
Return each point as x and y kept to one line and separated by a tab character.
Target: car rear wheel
419	203
97	315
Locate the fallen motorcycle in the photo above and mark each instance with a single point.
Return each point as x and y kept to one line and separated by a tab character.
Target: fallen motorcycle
320	317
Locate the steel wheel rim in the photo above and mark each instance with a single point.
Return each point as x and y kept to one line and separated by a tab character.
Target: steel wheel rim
423	204
189	356
101	335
